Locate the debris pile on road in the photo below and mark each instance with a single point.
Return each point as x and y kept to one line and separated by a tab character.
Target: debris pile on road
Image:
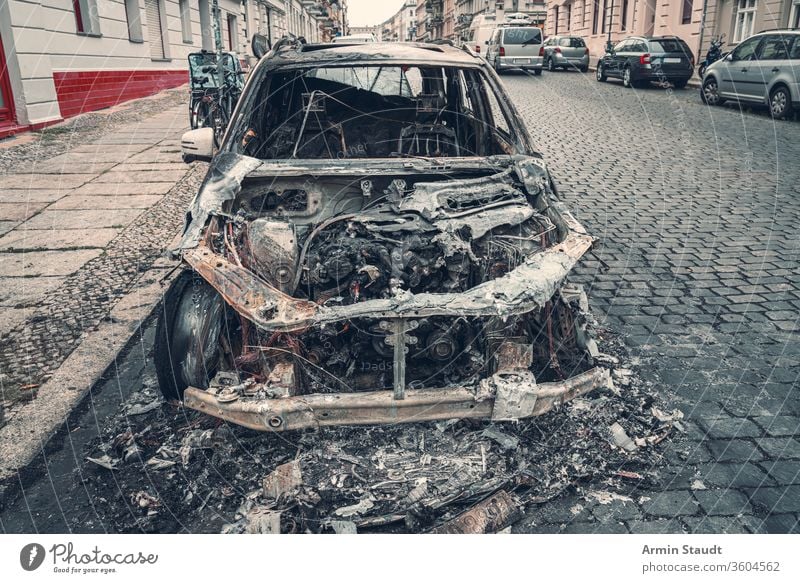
176	469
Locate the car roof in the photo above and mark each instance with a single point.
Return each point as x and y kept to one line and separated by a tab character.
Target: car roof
317	54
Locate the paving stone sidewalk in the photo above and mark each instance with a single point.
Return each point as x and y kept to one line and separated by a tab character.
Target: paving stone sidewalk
76	229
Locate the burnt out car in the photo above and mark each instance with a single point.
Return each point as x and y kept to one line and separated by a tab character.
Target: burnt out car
375	242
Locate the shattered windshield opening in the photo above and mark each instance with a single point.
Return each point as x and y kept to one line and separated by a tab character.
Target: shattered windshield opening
342	112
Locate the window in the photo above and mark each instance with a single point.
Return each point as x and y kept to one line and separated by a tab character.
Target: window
746	51
623	25
134	19
206	33
233	44
603	15
155	30
595	15
568	22
686	12
794	53
745	15
774	48
186	20
555	19
375	112
87	20
794	15
522	36
76	6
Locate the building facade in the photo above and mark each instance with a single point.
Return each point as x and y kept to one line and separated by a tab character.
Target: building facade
375	30
59	58
402	25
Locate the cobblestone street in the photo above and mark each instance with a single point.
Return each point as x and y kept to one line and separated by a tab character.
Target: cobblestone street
697	209
698	272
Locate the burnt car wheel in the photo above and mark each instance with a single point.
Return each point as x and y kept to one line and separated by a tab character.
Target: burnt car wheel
191	317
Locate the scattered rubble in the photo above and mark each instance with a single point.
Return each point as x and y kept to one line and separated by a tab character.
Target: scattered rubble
422	477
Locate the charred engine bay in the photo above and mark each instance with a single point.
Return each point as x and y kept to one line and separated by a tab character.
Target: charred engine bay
346	240
157	468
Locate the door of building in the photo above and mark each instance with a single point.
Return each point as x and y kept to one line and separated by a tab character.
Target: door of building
6	98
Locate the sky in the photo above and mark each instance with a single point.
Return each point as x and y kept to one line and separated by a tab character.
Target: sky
369	12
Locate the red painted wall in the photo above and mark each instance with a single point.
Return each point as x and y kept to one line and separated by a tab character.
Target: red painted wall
82	91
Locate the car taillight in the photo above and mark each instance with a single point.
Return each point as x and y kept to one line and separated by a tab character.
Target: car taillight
502	51
558	50
644	59
587	51
541	51
477	48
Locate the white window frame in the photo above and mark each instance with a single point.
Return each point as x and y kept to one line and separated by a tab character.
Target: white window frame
794	14
745	19
133	16
90	18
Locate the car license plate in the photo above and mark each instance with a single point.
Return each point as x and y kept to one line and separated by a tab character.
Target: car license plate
672	60
522	60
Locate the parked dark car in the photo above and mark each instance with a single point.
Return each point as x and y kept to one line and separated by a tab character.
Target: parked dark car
376	241
639	59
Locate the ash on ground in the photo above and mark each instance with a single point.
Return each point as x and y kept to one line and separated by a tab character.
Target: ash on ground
163	469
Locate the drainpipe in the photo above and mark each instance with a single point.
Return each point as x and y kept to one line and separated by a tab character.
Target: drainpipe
702	30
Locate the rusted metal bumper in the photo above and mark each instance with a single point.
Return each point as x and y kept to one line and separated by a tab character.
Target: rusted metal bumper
516	393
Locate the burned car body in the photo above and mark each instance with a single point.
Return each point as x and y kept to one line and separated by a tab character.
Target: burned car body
376	242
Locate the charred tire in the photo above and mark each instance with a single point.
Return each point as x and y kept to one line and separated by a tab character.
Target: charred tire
600	74
551	66
710	92
680	84
186	348
585	69
780	102
537	72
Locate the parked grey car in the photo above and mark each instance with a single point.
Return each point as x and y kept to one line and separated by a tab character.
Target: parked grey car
764	69
517	47
640	59
566	52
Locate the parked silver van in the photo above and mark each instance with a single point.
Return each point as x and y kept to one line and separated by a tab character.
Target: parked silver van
763	69
516	47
